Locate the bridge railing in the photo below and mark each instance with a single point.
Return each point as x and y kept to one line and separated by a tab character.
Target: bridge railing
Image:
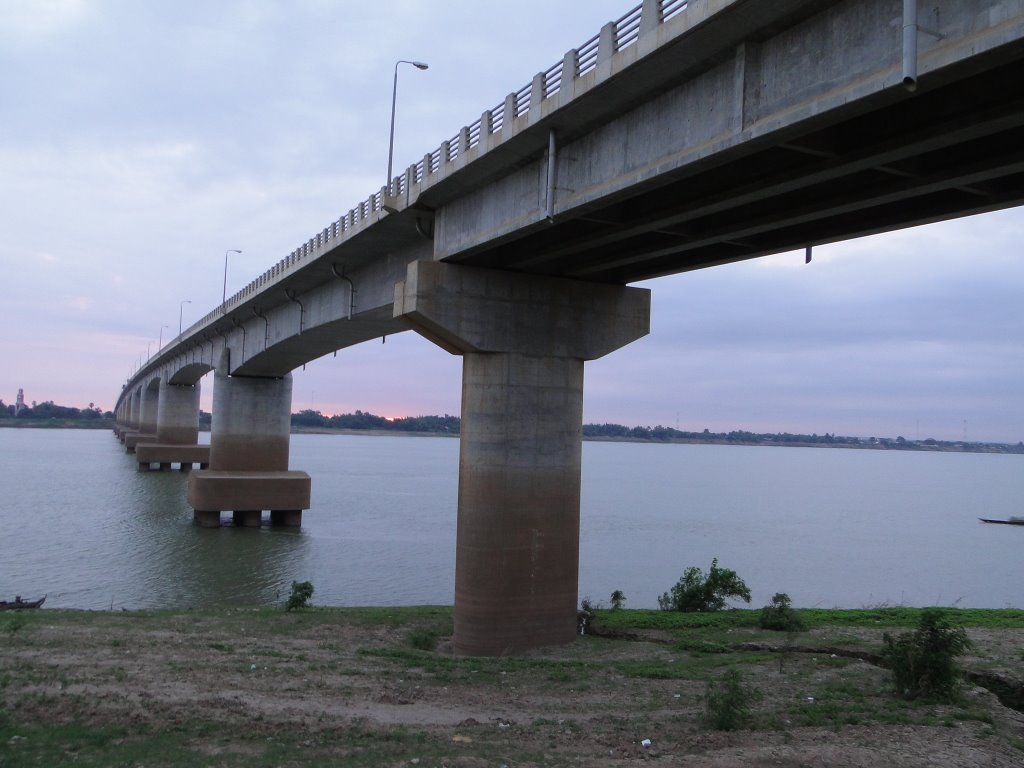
578	62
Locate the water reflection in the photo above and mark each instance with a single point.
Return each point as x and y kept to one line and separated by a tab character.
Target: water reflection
171	562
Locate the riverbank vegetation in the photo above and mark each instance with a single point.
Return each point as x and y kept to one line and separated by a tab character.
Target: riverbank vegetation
380	687
308	420
50	415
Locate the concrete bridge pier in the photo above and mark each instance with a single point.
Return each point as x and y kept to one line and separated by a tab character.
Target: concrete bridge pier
249	455
177	430
523	340
177	414
130	423
148	401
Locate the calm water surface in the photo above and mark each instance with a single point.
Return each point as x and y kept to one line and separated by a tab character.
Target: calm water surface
834	527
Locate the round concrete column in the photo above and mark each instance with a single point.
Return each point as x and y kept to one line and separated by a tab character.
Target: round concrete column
149	403
517	551
250	424
177	416
135	409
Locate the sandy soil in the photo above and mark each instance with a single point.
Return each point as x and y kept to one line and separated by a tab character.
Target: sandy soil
332	684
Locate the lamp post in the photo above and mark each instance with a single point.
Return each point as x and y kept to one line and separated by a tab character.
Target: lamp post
181	309
394	99
224	293
160	340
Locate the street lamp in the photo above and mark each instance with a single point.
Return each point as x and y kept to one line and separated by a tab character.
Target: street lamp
160	341
224	294
181	309
394	98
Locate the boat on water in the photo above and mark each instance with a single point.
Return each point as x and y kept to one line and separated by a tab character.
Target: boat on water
1010	521
18	604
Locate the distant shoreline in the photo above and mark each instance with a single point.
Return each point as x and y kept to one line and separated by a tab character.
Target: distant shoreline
882	444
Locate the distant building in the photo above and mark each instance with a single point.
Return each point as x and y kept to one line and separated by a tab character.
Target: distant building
19	403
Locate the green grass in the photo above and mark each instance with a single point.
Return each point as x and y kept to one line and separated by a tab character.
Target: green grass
454	668
24	746
440	617
71	744
627	619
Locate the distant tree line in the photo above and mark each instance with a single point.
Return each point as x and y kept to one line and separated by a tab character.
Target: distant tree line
743	437
736	436
48	413
361	420
49	410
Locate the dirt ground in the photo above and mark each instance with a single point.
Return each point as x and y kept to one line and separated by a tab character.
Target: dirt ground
348	691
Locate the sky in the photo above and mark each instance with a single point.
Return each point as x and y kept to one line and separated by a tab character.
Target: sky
139	141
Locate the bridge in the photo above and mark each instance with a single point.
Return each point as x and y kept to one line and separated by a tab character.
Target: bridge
683	135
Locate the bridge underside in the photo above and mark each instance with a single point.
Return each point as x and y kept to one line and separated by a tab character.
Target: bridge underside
953	148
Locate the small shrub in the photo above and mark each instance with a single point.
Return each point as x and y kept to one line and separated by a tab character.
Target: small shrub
695	593
618	599
781	616
727	702
423	639
923	662
302	591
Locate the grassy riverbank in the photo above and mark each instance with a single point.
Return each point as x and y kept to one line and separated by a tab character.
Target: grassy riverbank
378	687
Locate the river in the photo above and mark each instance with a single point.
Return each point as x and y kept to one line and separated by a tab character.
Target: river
830	527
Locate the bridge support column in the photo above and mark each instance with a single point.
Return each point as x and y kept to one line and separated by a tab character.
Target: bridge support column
131	418
148	404
135	410
249	455
177	431
177	415
523	340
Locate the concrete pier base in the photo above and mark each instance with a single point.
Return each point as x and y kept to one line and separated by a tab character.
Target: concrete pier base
186	456
289	518
132	439
249	518
206	519
523	340
248	471
228	491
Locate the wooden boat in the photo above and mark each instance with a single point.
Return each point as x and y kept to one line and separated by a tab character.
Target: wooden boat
18	604
1011	521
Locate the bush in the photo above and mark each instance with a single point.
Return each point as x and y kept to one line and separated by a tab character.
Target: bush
781	616
695	593
923	662
302	591
618	599
727	702
423	639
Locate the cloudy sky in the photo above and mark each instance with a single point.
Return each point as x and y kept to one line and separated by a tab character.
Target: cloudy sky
140	140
